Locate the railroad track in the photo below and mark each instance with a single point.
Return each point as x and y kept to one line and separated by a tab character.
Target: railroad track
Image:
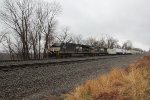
8	65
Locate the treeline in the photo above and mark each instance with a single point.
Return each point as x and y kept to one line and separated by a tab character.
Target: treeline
32	29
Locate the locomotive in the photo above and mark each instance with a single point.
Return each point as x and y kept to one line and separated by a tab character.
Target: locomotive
61	50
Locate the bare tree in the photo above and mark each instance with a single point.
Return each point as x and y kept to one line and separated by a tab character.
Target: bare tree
91	41
102	43
9	47
117	46
49	22
38	26
33	41
127	45
65	36
111	42
77	39
29	22
3	36
17	16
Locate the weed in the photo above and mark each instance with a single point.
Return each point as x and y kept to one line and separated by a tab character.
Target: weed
131	83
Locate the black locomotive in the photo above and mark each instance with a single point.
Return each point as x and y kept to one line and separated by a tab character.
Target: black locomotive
71	49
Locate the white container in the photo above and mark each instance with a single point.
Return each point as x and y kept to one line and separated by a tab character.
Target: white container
119	51
128	52
111	51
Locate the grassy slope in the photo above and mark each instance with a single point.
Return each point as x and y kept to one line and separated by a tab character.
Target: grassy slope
132	83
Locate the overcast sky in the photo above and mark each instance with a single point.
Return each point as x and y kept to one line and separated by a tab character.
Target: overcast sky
122	19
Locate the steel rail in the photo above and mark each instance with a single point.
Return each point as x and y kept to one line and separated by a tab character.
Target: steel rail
24	64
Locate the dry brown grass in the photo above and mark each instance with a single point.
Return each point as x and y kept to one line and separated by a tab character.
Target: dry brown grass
131	83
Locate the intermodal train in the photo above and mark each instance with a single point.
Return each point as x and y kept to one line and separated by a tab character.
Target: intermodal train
62	50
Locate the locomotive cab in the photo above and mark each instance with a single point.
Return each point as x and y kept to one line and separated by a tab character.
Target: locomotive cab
54	50
55	47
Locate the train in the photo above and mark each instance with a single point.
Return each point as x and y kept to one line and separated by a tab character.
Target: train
61	50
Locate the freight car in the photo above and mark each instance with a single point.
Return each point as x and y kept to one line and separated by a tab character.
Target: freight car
115	51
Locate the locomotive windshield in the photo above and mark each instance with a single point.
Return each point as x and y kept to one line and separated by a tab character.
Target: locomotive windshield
56	45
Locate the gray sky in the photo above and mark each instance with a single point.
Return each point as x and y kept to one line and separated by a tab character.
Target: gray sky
122	19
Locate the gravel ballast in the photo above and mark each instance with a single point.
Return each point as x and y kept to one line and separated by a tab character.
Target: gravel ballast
36	82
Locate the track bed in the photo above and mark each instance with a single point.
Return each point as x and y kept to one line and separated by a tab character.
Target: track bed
34	82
